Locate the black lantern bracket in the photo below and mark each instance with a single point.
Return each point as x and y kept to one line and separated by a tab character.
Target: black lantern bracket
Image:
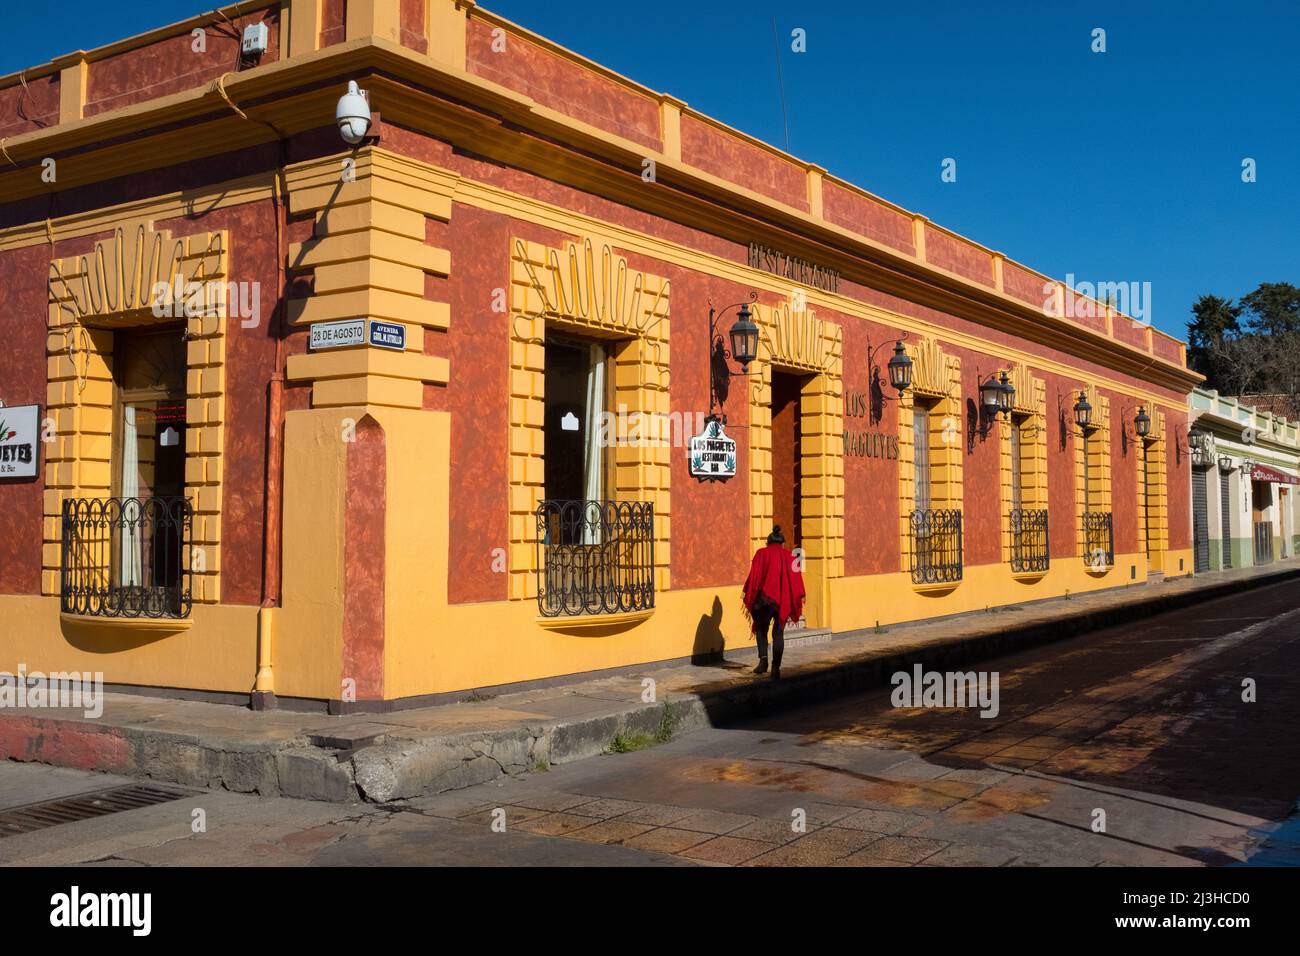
1139	427
997	396
1081	413
744	349
875	381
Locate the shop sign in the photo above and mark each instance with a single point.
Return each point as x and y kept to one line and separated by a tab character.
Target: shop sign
387	335
19	438
1264	473
866	444
712	455
333	335
795	269
871	445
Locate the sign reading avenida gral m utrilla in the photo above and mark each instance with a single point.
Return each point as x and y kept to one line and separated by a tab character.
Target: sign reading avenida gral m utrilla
19	433
788	267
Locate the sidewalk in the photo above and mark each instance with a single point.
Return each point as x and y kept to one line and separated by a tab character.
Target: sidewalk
415	752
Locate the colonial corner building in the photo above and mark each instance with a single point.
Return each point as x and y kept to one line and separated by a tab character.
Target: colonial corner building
512	387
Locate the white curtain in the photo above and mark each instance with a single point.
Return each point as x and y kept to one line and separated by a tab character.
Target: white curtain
130	554
593	459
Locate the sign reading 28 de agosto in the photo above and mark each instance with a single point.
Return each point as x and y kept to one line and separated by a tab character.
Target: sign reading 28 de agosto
712	455
19	435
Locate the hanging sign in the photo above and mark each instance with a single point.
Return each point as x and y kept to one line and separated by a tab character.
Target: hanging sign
19	441
712	455
333	335
387	335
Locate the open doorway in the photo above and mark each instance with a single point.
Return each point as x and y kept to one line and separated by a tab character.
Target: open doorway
1261	499
1284	516
786	465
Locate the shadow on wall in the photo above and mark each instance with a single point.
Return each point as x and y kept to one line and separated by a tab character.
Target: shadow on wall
709	641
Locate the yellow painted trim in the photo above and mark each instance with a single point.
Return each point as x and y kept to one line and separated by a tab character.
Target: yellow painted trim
1028	577
595	294
589	623
796	340
112	287
127	625
940	587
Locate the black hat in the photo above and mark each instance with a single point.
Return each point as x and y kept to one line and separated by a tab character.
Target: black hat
776	537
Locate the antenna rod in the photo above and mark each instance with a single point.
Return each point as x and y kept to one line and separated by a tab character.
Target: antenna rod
780	83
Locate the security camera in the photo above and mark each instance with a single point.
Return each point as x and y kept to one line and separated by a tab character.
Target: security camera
353	115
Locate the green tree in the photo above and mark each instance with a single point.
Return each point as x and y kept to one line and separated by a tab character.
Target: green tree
1273	320
1213	338
1249	348
1273	309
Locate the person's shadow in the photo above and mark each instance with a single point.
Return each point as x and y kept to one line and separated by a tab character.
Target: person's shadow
709	643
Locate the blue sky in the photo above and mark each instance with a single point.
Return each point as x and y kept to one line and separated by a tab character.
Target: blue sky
1123	166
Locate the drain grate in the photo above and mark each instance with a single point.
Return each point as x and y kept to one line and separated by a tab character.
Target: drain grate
84	806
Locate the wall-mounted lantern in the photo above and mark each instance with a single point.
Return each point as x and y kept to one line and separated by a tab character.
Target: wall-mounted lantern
744	349
1225	464
997	395
1201	446
991	396
1142	422
900	368
1007	399
744	339
1082	411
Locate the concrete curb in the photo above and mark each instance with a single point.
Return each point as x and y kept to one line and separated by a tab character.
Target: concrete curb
388	767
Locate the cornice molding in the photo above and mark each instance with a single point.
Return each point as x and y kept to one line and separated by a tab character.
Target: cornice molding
295	94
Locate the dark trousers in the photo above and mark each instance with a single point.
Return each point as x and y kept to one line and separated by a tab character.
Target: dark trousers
765	614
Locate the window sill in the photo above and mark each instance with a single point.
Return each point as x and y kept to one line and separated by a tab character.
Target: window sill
592	625
941	587
1099	572
144	626
1028	577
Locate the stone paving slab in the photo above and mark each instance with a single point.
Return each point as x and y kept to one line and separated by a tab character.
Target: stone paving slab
409	753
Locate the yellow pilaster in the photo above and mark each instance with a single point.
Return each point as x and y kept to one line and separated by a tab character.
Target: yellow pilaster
670	127
815	175
72	86
380	18
369	260
445	26
303	28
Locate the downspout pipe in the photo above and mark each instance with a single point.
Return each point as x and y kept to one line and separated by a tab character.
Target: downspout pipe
263	693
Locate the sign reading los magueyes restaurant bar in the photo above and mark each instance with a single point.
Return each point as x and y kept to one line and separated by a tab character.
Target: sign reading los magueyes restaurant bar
712	454
18	436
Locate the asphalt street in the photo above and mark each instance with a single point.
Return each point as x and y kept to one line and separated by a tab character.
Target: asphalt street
1169	743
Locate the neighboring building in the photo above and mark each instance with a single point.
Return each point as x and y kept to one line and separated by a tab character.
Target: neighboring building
1244	499
478	475
1284	406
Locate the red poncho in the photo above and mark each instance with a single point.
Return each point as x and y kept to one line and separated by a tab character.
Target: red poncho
773	574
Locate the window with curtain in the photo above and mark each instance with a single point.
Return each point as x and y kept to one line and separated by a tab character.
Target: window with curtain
1017	468
1087	473
921	456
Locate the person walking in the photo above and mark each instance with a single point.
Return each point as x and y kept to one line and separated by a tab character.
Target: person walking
774	595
